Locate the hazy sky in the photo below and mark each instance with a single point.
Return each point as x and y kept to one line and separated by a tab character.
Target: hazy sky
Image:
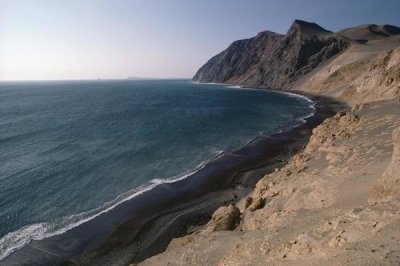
74	39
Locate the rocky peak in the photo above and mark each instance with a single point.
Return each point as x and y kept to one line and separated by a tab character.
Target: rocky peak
304	29
273	60
267	33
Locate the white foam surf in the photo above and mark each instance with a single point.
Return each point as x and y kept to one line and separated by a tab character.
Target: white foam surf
16	240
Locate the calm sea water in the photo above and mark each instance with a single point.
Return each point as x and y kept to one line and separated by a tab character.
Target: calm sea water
71	150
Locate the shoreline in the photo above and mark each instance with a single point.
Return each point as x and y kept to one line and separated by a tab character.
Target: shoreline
114	235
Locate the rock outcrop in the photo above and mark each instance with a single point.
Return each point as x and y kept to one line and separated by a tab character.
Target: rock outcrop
225	218
239	60
337	127
304	47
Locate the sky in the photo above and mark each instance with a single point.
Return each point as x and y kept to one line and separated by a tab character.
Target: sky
56	40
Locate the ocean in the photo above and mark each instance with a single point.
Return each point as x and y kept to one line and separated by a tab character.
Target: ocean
72	150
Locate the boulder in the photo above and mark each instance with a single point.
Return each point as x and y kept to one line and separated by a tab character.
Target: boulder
257	203
226	218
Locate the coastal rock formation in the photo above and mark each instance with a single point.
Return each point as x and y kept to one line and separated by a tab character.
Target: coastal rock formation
273	60
277	60
304	47
257	203
239	60
225	218
338	127
359	64
389	184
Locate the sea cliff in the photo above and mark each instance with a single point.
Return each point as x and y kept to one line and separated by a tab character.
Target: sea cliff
336	201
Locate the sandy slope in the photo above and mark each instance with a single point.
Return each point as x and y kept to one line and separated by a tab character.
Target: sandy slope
338	201
363	73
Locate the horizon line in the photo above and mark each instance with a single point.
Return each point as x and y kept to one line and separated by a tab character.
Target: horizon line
94	79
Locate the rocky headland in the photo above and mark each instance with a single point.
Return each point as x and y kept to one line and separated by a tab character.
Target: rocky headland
337	200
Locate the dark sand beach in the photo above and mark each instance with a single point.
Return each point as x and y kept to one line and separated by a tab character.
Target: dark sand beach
144	226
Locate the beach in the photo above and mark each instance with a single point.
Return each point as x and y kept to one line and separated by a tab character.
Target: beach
144	226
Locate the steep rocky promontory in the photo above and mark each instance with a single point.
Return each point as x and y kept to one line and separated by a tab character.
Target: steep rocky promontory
311	58
239	60
273	60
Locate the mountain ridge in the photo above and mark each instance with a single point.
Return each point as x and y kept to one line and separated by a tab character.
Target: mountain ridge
368	32
278	61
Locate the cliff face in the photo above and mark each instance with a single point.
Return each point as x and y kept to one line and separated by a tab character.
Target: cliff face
273	60
239	59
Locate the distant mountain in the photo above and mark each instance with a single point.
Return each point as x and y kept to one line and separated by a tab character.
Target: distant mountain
370	32
140	78
277	61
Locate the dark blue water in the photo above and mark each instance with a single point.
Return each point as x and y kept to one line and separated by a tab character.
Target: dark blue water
71	150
